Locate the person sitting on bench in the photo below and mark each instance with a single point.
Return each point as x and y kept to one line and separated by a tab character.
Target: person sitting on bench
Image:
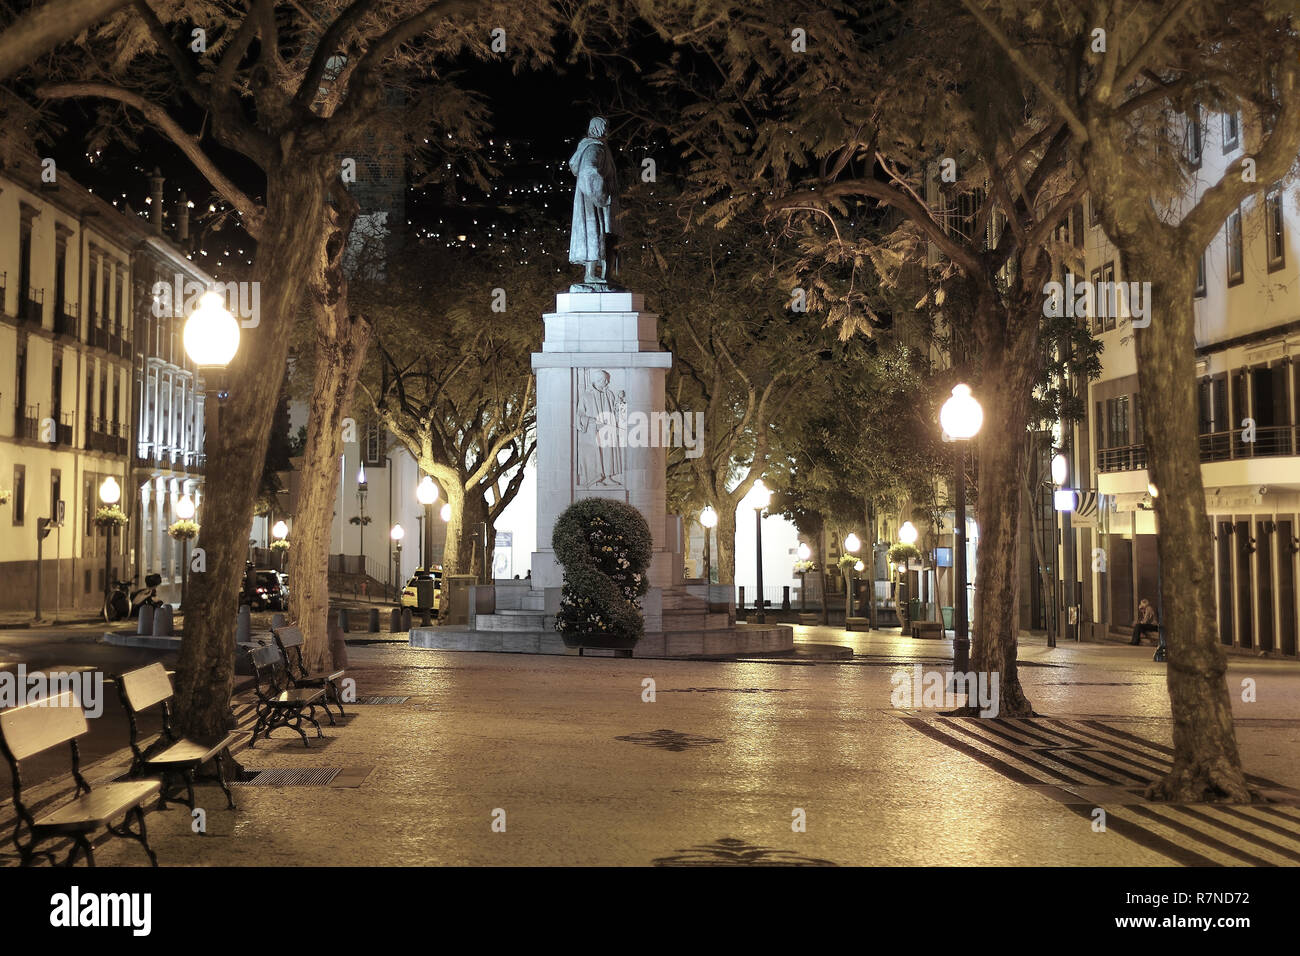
1146	621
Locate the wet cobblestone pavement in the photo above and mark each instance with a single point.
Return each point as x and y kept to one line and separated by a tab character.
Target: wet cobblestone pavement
574	764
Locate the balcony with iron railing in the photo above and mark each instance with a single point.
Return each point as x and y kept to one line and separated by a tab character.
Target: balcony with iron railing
66	321
27	421
1274	441
31	307
99	337
66	428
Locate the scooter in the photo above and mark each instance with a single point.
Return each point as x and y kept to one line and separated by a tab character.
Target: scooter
124	602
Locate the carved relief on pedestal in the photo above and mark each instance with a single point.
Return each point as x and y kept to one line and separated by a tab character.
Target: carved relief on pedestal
600	429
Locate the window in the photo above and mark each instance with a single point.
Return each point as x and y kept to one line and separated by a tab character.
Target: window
1212	402
1231	131
1076	225
1195	139
1274	231
1094	215
20	493
1236	269
56	491
1096	300
1117	422
94	317
374	451
1109	303
1199	292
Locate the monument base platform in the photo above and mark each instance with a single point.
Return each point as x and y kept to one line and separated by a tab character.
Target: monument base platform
738	640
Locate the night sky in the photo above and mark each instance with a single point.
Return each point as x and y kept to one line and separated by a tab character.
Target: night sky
537	119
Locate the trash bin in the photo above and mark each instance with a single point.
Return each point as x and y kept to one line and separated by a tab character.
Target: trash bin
947	618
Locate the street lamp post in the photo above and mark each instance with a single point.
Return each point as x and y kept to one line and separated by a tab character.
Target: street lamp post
907	534
1062	505
185	511
961	417
426	492
110	493
281	531
762	498
397	533
211	339
361	515
851	546
708	521
805	553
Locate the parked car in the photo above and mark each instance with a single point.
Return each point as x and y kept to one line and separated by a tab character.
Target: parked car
268	591
411	593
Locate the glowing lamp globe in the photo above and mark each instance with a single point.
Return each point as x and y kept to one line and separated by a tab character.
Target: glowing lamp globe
446	512
1152	490
709	517
961	416
859	566
907	533
426	492
398	533
1060	470
759	496
805	552
110	492
185	508
851	543
361	476
211	333
281	530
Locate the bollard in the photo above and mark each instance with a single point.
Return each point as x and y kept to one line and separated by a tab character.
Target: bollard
338	648
395	621
426	618
277	621
145	624
162	621
244	625
785	598
342	621
406	618
374	621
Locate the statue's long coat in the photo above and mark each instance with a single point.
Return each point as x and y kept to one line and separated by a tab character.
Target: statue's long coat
595	208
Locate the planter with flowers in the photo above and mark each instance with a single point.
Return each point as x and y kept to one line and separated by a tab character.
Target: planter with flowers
110	517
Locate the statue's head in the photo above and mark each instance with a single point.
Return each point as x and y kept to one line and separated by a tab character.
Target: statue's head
602	379
596	128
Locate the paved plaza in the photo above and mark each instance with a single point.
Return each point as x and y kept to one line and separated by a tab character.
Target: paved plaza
469	759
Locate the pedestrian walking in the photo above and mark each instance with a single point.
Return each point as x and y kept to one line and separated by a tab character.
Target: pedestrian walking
1146	621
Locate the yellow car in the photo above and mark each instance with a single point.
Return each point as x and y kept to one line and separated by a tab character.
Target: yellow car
411	594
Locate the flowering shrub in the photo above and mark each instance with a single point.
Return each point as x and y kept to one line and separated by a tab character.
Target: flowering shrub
900	553
279	544
803	567
110	516
605	548
184	529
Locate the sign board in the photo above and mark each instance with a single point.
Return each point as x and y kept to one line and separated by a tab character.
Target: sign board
60	511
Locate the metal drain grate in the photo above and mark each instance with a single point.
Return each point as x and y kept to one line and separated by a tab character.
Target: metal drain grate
312	777
381	700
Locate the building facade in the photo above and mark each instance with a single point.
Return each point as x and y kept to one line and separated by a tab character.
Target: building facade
1247	304
79	347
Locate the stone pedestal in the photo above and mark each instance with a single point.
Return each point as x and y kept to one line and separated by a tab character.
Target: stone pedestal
601	433
600	404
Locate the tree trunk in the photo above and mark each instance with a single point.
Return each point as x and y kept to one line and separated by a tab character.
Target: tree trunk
726	557
1008	343
1207	765
235	453
471	543
341	341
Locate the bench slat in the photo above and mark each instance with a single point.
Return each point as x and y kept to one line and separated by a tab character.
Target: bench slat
99	806
146	686
42	724
289	636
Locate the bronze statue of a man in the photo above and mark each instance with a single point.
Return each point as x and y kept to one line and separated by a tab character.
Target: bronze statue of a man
595	210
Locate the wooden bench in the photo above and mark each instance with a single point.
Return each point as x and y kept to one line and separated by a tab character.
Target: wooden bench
174	758
40	726
280	705
290	642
